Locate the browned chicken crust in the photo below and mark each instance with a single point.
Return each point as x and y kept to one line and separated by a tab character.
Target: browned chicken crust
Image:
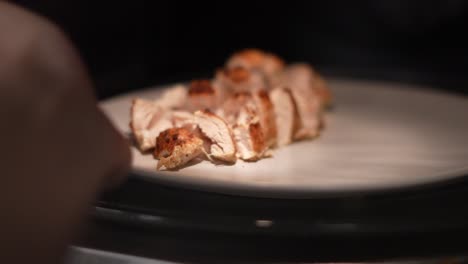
267	117
255	59
177	146
199	87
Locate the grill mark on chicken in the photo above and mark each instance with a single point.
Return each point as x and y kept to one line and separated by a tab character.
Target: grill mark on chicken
203	94
267	117
237	74
258	140
200	87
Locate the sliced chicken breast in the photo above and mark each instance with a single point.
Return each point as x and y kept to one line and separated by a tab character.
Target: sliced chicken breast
182	119
266	114
320	85
250	141
298	78
202	94
303	74
285	115
219	134
177	146
174	97
238	79
256	60
259	106
241	113
252	105
148	119
310	115
231	107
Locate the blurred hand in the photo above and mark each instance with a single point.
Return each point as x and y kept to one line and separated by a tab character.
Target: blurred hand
57	148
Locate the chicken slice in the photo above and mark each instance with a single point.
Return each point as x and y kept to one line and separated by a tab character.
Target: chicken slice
256	60
259	105
238	79
324	93
303	74
230	109
285	113
202	94
148	119
298	78
310	114
266	114
176	147
241	113
220	135
182	119
250	141
174	97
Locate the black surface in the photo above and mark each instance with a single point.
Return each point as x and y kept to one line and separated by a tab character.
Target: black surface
130	44
151	220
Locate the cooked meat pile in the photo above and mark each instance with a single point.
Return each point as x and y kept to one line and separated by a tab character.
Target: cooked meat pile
253	105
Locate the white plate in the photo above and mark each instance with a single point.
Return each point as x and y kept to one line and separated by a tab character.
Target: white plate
380	136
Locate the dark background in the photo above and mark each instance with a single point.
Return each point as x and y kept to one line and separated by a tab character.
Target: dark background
131	44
